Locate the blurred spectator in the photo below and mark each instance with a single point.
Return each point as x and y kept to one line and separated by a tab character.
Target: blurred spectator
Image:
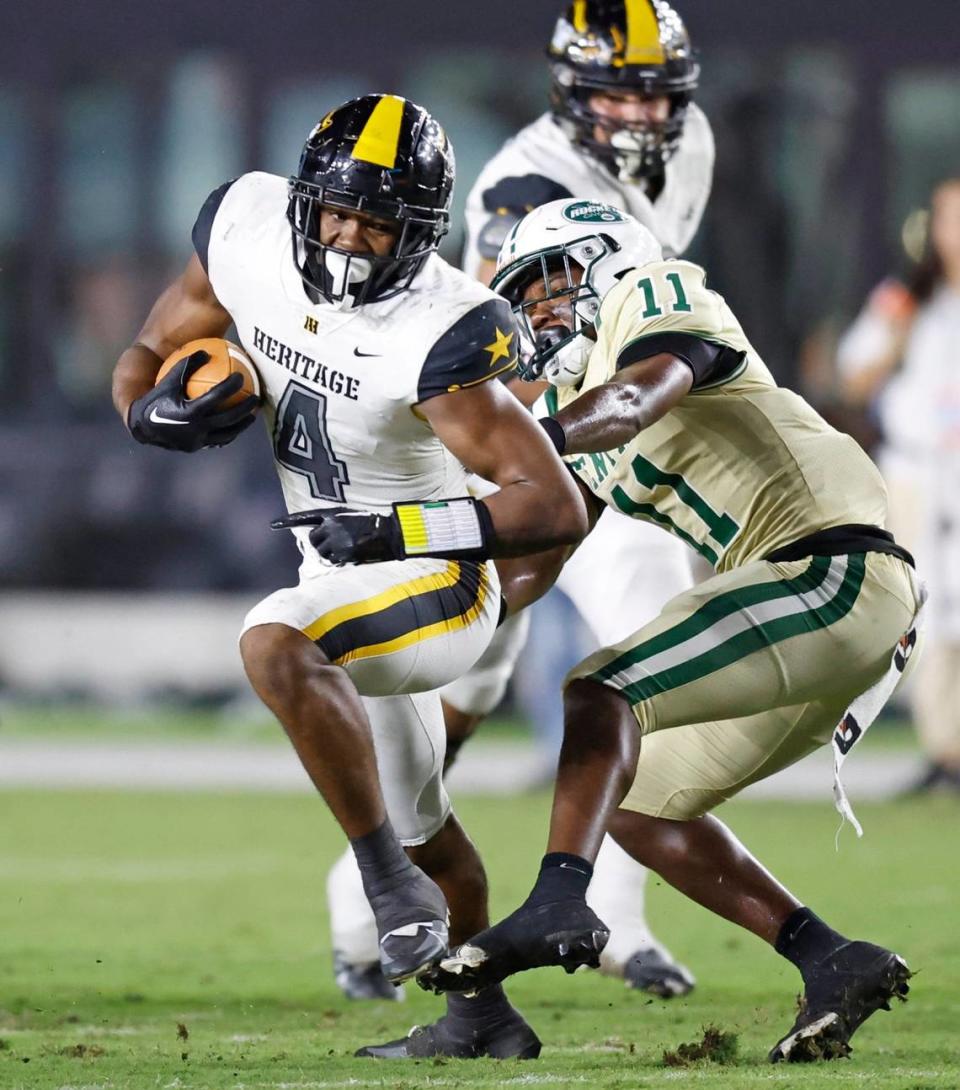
901	356
104	308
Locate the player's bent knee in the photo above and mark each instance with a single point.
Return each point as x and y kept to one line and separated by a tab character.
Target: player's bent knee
585	697
279	660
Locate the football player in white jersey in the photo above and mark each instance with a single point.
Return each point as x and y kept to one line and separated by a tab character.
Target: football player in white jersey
622	127
375	358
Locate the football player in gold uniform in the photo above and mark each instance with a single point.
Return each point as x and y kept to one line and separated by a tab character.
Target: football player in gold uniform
664	411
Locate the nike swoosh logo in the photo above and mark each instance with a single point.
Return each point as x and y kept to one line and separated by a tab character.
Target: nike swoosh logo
367	355
156	418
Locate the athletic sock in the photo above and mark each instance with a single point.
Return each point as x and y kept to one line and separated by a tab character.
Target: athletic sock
806	940
562	877
487	1006
383	863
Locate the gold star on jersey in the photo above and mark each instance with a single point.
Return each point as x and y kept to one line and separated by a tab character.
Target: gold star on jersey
500	349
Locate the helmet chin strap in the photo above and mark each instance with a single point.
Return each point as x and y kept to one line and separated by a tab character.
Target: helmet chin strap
568	365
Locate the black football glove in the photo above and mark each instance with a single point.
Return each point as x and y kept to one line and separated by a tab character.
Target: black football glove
343	536
166	417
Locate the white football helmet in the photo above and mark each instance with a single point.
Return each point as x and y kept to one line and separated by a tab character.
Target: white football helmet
600	241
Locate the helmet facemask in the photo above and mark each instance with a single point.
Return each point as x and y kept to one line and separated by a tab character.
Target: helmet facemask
633	150
558	352
349	278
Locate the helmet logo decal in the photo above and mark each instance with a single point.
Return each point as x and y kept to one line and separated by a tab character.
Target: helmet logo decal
380	139
643	34
592	212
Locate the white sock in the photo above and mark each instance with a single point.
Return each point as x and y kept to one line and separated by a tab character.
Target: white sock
353	930
616	894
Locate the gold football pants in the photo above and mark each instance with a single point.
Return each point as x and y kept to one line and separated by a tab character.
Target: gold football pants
751	670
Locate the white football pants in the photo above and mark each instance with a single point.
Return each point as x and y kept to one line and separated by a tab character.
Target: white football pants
620	577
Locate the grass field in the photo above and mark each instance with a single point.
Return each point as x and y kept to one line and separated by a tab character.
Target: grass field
180	941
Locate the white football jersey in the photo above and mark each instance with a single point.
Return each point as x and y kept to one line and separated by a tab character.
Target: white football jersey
340	386
540	164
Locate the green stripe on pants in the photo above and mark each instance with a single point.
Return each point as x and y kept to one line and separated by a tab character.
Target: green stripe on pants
756	638
723	605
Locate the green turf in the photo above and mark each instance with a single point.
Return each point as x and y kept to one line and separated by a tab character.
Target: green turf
124	916
245	722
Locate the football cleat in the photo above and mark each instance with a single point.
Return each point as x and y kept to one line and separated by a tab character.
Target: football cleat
412	927
507	1038
653	970
412	949
566	933
936	778
364	981
844	989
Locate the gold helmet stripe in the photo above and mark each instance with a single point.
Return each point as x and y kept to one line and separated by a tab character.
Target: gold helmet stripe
580	16
643	34
380	139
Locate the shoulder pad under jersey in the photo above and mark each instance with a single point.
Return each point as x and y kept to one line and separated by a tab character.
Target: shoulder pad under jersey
204	223
509	200
480	345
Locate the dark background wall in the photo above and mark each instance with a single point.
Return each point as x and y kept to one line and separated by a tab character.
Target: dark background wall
832	122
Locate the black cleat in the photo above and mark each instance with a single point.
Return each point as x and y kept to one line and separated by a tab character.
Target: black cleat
364	981
412	925
653	970
566	933
844	990
507	1038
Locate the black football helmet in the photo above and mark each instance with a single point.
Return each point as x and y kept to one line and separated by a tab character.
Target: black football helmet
622	45
385	156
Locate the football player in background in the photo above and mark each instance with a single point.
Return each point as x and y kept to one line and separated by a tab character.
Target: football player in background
375	358
807	624
622	127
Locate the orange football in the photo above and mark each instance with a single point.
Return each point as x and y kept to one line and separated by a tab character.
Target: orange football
226	359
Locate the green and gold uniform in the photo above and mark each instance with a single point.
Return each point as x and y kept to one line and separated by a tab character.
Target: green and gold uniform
753	668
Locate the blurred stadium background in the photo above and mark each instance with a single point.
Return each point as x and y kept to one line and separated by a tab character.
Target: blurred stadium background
124	571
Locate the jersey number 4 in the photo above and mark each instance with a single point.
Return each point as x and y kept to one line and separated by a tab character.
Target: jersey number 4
301	444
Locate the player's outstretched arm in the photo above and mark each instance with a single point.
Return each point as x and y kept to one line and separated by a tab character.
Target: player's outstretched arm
610	415
524	579
538	506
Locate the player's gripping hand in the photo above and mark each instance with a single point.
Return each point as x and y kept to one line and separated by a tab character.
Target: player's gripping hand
343	536
166	417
